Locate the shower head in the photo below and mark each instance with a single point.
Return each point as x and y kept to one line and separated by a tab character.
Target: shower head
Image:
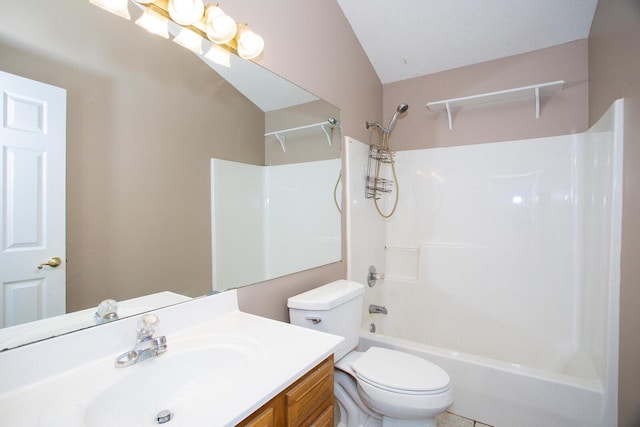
402	108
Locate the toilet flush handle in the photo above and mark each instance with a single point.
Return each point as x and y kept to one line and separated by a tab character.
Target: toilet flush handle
314	320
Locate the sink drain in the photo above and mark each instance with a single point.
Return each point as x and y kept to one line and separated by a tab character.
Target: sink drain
163	416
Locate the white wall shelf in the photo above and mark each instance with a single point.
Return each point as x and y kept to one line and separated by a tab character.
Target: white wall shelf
534	91
281	135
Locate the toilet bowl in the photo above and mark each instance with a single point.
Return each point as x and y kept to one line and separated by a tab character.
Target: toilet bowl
376	387
397	388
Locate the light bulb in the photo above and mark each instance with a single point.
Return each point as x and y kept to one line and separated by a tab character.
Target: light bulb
190	40
186	12
250	44
219	55
119	7
221	28
154	23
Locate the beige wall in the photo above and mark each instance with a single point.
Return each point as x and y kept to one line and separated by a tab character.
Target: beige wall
614	72
564	113
144	118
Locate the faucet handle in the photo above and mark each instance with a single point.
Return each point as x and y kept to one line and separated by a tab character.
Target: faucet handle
107	311
147	326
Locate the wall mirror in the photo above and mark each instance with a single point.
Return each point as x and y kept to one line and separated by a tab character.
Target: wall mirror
154	139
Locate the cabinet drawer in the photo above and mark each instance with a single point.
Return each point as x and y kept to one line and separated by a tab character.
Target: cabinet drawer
312	394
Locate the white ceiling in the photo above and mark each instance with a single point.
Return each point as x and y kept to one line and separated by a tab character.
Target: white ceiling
410	38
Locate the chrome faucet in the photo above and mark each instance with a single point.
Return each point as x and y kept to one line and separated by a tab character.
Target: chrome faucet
146	346
377	309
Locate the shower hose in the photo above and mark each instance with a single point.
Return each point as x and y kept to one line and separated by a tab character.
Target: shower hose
386	150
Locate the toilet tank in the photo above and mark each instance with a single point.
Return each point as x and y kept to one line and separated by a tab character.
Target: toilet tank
335	308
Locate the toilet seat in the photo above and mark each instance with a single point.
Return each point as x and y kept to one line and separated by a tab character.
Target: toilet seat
399	372
400	385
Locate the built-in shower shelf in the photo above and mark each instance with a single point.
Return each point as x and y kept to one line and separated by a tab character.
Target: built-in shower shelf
533	91
281	135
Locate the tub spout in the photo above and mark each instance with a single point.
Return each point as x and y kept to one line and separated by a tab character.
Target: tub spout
377	309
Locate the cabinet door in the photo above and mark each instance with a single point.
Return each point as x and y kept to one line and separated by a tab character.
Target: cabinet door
307	400
263	419
269	415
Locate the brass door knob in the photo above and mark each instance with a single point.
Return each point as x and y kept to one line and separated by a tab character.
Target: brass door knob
53	262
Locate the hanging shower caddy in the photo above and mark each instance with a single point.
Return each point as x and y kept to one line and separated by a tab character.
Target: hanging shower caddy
376	184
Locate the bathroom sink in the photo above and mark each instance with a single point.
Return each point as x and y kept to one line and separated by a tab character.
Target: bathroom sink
184	381
220	365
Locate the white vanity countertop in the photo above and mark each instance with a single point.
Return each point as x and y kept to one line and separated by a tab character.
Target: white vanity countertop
65	381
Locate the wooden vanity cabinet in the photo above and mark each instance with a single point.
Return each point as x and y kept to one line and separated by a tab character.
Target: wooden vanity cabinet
307	402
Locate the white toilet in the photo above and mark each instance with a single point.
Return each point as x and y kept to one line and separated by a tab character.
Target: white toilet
377	387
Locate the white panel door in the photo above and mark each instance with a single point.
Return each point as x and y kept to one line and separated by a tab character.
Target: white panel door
32	199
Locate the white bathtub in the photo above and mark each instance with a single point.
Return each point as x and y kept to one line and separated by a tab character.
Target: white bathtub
501	265
507	395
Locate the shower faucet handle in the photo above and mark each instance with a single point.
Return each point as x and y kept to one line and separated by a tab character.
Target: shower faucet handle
374	276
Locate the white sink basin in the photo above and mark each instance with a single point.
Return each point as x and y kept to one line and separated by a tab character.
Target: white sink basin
220	365
184	380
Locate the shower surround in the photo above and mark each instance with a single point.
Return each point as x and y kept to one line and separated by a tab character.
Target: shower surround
501	265
269	221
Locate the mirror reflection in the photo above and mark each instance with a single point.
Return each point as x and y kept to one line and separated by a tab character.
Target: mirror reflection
144	119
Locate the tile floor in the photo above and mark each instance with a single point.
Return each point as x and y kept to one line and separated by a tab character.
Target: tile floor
452	420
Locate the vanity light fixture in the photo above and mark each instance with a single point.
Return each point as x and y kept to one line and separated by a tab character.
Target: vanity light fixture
197	25
209	22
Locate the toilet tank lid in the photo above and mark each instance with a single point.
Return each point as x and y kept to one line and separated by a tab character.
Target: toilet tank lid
327	296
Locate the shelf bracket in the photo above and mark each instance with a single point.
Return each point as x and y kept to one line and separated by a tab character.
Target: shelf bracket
328	134
282	140
449	115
